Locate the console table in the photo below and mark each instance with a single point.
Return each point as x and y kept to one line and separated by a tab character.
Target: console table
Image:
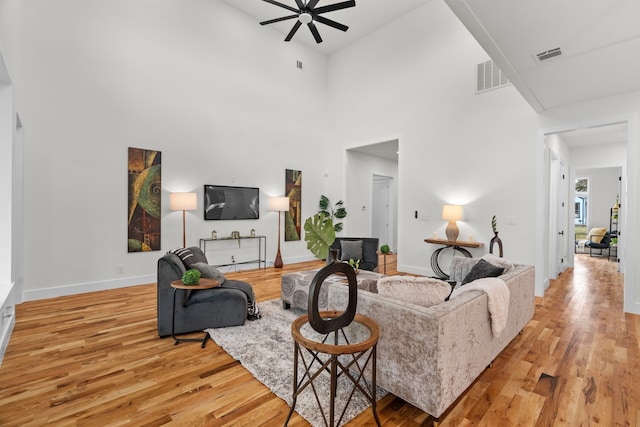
261	260
456	245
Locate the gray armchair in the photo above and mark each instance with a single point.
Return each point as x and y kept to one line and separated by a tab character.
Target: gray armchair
196	310
369	259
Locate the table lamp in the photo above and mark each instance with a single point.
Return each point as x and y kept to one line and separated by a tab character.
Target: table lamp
452	213
183	202
280	204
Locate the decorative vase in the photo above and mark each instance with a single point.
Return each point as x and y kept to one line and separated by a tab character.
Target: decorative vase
495	240
332	256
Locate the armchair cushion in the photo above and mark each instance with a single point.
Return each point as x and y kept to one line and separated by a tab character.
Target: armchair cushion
350	249
209	272
189	256
369	260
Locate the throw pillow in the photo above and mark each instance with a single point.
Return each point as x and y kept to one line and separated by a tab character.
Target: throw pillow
187	256
423	291
481	270
209	272
351	249
498	262
596	234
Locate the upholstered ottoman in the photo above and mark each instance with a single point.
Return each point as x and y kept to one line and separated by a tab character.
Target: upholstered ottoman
294	287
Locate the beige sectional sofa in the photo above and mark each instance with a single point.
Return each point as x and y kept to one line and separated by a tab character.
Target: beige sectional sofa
429	356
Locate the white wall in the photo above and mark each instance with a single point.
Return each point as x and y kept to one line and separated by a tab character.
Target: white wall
414	80
219	95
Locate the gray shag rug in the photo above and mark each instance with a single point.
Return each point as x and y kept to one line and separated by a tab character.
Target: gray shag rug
265	348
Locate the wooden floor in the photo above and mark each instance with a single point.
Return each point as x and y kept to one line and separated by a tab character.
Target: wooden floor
95	359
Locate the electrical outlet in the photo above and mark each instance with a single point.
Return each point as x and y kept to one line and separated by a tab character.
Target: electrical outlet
119	269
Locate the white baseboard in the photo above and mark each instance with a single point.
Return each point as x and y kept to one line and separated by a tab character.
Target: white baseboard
80	288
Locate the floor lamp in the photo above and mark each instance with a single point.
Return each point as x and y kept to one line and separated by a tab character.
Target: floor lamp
280	204
183	202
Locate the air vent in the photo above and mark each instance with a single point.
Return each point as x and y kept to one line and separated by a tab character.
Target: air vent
489	76
548	54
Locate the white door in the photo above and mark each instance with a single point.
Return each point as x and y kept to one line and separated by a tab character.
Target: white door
381	215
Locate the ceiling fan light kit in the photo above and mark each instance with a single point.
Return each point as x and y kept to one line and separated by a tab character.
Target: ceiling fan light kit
308	13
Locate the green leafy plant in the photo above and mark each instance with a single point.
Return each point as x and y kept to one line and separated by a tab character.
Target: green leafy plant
494	224
355	263
385	249
320	234
332	212
191	277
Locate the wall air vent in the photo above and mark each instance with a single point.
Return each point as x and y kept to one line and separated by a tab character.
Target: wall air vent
548	54
489	76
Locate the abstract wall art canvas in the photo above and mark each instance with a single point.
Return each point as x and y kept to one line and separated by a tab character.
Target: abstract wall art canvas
292	218
145	191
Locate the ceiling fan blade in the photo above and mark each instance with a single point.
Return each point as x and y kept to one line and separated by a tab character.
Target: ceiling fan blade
311	4
337	6
300	4
331	23
314	31
284	18
293	31
276	3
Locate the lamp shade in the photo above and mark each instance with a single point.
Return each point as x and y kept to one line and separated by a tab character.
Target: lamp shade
183	201
452	212
280	204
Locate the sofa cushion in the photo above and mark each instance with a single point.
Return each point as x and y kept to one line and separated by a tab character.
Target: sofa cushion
423	291
209	272
189	256
498	262
481	270
351	249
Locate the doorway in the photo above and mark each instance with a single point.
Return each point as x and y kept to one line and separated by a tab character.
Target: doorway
580	146
381	212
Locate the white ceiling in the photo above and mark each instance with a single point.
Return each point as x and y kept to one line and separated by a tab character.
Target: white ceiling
600	41
364	18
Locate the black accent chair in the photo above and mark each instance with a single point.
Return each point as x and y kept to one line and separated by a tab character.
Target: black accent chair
369	260
604	244
195	310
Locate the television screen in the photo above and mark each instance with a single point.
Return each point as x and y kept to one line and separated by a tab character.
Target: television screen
223	202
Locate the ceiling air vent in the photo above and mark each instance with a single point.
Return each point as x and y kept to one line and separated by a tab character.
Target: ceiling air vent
489	76
548	54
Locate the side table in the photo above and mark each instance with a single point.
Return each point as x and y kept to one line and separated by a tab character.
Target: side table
179	284
364	334
456	245
384	260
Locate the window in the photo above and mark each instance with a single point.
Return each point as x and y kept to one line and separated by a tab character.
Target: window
582	201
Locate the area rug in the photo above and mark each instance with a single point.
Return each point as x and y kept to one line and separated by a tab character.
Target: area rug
265	348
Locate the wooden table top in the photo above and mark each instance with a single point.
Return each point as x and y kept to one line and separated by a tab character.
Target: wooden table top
455	243
203	284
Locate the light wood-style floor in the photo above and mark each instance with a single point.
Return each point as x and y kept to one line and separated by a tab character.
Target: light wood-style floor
95	359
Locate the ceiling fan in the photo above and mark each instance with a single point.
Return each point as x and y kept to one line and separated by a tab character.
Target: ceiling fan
308	13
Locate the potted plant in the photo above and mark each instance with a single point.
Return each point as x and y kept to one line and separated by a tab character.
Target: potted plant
320	229
332	212
320	234
191	277
385	249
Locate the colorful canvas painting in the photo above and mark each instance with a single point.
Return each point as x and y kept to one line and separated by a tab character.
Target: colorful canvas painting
292	218
145	191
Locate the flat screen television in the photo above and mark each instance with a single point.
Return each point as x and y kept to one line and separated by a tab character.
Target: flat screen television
225	202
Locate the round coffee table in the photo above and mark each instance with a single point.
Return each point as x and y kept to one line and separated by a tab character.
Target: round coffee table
179	284
354	341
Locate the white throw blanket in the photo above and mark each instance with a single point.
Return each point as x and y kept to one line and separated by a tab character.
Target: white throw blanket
498	296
